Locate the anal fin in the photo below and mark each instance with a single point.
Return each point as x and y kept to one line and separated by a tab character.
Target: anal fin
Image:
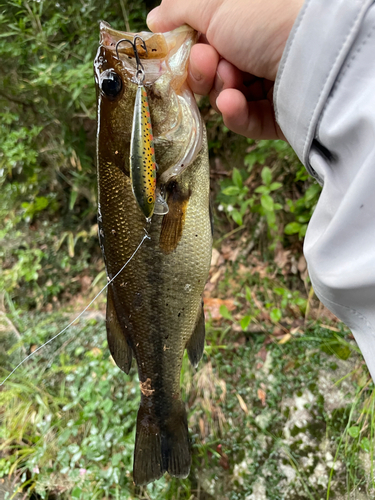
118	345
195	345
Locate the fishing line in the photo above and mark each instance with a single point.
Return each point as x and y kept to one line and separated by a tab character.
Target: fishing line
145	237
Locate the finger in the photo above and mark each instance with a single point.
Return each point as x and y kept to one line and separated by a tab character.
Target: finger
173	13
202	68
251	119
227	77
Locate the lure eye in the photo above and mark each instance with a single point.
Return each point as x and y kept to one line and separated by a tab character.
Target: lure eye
150	199
111	84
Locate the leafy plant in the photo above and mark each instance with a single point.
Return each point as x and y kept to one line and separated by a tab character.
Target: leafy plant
47	136
264	193
69	429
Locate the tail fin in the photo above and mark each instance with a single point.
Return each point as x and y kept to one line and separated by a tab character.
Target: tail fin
175	443
161	448
148	463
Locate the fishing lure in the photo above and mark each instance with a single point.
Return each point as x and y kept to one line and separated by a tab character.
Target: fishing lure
142	151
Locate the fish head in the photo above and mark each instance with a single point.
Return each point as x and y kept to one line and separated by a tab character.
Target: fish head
165	63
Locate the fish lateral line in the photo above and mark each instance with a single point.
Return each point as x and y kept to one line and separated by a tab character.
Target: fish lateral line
145	237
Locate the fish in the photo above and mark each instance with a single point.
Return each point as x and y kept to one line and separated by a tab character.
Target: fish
154	306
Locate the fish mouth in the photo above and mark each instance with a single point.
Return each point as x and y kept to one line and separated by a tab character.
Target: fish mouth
161	47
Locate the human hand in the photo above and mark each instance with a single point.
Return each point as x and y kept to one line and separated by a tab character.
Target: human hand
237	62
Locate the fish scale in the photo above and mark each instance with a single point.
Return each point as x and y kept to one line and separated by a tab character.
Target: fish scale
142	155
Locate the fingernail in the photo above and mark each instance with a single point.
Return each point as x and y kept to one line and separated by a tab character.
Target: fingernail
194	73
219	84
152	18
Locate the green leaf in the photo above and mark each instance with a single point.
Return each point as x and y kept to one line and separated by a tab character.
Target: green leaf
250	160
275	185
76	457
73	448
77	91
271	221
116	459
237	178
267	202
63	438
303	218
292	228
353	431
41	202
302	231
245	322
73	198
275	315
237	217
76	493
365	444
231	191
342	351
245	206
266	176
312	191
225	313
262	190
107	405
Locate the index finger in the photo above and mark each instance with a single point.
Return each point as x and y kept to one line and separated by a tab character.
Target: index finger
173	13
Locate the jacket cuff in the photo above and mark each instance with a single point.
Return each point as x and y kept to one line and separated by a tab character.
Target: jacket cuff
318	44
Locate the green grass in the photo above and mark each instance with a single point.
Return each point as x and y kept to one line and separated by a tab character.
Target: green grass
310	438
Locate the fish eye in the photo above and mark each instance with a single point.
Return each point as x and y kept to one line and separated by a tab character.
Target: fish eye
111	84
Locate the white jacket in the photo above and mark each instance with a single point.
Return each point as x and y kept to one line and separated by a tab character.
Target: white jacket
325	105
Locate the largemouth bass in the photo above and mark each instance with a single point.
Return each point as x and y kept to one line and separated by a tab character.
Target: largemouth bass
154	307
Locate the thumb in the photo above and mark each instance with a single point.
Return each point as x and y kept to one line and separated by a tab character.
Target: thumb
160	20
174	13
153	20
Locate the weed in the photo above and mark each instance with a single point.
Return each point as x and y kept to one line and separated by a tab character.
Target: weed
277	416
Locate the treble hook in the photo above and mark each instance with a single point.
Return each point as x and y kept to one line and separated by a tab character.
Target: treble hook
140	73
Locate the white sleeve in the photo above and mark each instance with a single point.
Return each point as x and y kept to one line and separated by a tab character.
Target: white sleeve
325	105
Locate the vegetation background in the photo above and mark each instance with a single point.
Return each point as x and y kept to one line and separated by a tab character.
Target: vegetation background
281	406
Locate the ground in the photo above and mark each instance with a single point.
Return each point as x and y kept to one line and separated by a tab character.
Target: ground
269	418
280	407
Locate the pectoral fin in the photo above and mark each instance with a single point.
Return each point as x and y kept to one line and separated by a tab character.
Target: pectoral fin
173	222
195	345
117	342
